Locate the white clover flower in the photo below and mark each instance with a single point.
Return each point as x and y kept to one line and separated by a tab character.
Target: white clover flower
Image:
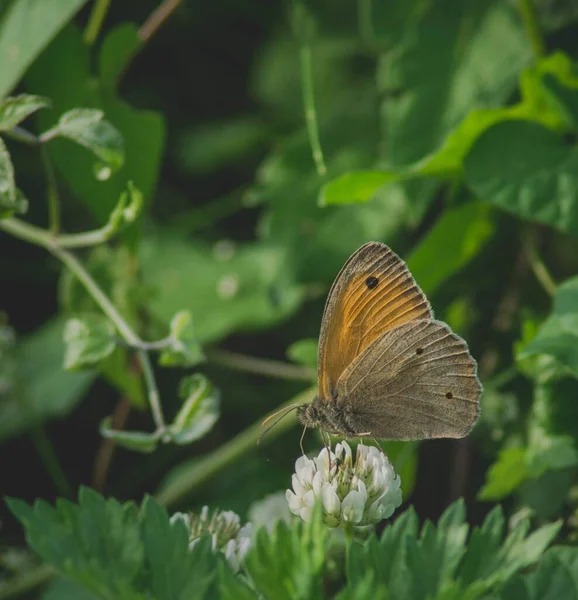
225	530
269	510
359	493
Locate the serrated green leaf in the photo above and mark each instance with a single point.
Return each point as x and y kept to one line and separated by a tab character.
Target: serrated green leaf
555	579
89	339
88	127
355	187
140	441
299	552
199	412
558	336
26	27
15	109
506	474
526	170
231	586
95	543
303	352
184	349
175	571
454	240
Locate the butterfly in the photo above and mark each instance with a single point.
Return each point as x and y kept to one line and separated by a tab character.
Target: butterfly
386	367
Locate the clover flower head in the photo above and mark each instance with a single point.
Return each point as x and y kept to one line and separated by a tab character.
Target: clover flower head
225	530
356	492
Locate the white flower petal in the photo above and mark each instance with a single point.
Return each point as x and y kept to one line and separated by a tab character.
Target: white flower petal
297	486
352	507
295	502
331	501
309	499
306	513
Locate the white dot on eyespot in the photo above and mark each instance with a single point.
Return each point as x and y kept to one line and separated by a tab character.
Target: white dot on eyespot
224	250
228	286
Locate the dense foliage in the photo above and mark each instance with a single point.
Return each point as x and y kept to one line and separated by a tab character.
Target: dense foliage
179	188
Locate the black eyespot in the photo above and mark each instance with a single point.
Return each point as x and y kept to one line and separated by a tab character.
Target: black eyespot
449	395
371	282
419	351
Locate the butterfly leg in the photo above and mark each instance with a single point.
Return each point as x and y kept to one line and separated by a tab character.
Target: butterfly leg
301	440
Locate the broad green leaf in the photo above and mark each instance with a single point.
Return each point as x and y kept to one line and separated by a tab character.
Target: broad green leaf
199	412
63	73
355	187
43	389
184	349
89	339
139	441
241	293
17	108
11	198
62	589
303	352
506	474
528	171
454	240
26	27
558	336
89	128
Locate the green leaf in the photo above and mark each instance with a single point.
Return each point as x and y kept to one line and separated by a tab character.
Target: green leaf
127	209
303	352
199	412
96	543
138	441
42	389
11	199
64	74
26	27
299	551
231	586
87	127
62	589
454	240
241	293
558	336
506	474
89	339
556	578
175	572
528	171
355	187
184	349
15	109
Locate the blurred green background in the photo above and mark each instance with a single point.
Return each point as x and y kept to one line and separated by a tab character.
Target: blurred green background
247	231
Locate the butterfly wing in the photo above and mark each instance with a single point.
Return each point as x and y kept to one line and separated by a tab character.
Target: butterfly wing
417	381
373	293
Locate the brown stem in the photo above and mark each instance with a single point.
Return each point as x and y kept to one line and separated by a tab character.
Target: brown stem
107	446
157	18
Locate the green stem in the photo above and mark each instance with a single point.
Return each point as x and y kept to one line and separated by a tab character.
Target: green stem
259	366
32	578
95	21
41	237
207	467
530	18
537	264
49	458
53	199
309	106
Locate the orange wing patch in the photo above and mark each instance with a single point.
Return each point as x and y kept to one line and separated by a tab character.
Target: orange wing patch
373	293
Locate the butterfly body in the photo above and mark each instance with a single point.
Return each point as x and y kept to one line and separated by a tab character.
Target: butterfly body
387	368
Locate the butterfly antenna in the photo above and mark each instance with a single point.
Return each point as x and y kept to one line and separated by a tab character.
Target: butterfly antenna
285	410
301	440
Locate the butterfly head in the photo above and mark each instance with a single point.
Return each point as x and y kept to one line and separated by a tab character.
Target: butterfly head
310	415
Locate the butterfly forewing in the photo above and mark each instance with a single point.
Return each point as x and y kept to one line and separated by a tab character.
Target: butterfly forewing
373	293
417	381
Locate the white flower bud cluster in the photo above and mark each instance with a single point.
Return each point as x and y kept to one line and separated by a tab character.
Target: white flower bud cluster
358	493
225	530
